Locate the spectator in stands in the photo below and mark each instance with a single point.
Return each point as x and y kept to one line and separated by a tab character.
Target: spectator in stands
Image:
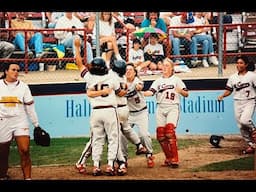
154	52
166	16
182	36
87	18
6	48
107	37
204	37
136	56
34	39
67	38
153	20
52	18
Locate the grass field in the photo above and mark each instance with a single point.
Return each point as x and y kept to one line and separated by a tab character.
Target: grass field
66	151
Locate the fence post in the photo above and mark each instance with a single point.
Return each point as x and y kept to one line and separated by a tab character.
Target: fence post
220	45
97	34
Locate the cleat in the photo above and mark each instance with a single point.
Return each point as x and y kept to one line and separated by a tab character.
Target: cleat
166	163
110	171
122	170
141	150
6	177
249	150
81	168
174	165
96	171
150	161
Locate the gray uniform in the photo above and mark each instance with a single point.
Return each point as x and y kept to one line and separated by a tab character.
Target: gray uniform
123	112
138	113
104	120
244	94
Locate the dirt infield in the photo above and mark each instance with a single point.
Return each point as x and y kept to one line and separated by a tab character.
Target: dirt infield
190	158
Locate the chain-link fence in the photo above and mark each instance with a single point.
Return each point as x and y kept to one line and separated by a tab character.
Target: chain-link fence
235	34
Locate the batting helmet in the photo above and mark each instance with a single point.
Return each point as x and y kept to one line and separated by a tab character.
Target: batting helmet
98	66
215	140
119	66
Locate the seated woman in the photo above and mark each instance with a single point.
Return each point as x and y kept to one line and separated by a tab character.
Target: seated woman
107	37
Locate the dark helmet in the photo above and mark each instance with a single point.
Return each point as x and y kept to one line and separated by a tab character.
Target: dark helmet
98	66
119	66
215	140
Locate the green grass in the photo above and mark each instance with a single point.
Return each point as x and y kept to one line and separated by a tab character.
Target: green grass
245	163
66	151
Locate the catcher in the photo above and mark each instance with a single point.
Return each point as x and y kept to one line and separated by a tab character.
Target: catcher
16	105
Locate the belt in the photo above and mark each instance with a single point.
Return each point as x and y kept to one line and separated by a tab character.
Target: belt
121	105
139	110
102	107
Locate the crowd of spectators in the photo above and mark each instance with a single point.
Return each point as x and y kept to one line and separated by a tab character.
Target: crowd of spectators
149	50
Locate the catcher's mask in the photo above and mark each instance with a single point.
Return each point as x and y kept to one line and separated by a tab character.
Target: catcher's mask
215	140
119	66
98	66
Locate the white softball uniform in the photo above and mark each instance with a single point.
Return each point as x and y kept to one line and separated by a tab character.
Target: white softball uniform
244	94
168	100
13	117
104	121
138	116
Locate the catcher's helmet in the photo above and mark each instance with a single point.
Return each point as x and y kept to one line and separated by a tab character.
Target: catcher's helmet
119	66
98	66
215	140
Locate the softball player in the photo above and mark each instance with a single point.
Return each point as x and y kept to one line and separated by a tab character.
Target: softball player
101	91
138	113
16	105
242	84
168	89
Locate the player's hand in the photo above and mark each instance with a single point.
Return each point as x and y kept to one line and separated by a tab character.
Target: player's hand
220	98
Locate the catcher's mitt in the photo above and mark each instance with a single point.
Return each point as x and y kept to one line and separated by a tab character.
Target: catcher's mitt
41	137
215	140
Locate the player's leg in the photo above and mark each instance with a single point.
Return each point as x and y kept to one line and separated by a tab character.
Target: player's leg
170	134
4	154
86	153
23	143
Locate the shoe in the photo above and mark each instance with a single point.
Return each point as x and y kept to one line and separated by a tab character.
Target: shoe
194	63
122	170
174	165
166	163
110	171
249	150
205	63
81	168
6	177
41	55
213	60
141	150
150	161
96	171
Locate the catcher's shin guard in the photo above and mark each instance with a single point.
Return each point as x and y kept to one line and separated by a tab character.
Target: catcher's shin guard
160	134
4	154
172	142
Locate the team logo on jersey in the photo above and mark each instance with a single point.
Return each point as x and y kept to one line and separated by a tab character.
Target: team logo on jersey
240	86
164	87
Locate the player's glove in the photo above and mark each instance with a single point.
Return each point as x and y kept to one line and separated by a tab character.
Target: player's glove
41	137
215	140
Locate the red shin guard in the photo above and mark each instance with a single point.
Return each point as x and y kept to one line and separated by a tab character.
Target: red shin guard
172	142
163	142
